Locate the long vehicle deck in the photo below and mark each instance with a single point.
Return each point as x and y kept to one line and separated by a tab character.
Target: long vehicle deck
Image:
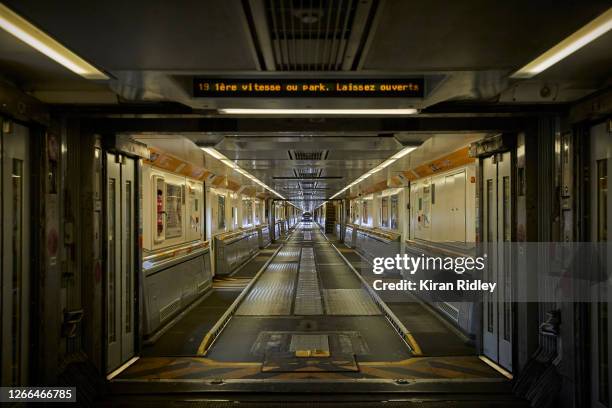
305	315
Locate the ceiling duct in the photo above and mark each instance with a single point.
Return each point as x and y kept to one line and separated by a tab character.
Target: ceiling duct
308	155
307	173
310	35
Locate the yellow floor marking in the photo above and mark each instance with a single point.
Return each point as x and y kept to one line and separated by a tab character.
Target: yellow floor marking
416	349
406	362
382	373
496	367
123	367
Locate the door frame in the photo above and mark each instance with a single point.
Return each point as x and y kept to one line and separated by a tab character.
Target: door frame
595	156
27	283
503	144
123	145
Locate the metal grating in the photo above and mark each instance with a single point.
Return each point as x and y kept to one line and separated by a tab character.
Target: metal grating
203	285
272	294
308	295
312	155
349	302
450	310
309	342
311	35
307	173
168	310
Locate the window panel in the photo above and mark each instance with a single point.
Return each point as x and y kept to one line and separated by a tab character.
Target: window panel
174	210
384	212
221	212
394	212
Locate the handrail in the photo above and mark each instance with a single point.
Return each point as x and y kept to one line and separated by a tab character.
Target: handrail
374	233
236	235
175	250
159	262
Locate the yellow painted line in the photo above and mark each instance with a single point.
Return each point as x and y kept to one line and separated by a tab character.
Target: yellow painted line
209	338
122	368
408	361
416	349
204	344
312	353
496	367
223	364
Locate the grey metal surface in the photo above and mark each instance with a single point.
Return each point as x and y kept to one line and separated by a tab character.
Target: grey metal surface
349	302
308	295
170	289
309	342
288	254
341	342
272	295
231	253
371	337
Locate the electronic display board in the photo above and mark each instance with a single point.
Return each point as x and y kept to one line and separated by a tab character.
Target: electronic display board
308	88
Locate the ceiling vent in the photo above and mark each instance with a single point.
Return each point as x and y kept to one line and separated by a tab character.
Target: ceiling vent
307	173
308	155
310	35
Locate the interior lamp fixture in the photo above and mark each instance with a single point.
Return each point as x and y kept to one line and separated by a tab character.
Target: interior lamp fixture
263	111
229	163
376	169
593	30
37	39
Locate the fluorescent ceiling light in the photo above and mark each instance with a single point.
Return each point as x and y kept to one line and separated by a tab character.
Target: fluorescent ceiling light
263	111
229	163
593	30
403	152
378	168
35	38
214	153
387	163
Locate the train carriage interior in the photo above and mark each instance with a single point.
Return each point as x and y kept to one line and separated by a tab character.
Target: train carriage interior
269	203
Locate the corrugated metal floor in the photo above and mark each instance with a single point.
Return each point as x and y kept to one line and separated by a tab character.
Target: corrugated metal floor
297	295
272	294
362	345
308	295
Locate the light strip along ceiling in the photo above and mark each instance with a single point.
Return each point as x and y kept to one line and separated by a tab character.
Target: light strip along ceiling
264	111
376	169
229	163
590	32
37	39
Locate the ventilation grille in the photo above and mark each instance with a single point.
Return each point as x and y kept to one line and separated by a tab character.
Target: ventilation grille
303	155
307	173
450	310
313	35
168	310
202	286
